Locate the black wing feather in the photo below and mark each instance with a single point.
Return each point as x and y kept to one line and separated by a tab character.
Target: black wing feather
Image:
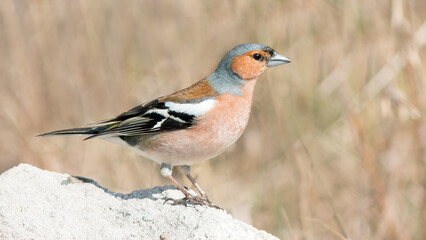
152	117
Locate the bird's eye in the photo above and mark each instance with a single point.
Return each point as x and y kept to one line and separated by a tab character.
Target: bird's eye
257	56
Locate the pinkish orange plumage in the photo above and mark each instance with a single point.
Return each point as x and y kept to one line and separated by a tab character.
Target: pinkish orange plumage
214	132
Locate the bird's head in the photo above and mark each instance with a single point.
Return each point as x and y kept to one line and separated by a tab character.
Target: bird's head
250	60
244	62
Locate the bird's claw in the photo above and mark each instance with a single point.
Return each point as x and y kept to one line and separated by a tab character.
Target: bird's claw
194	200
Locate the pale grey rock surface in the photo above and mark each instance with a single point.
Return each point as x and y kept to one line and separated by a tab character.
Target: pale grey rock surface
38	204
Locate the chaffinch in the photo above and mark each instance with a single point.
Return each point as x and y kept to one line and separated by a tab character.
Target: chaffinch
194	124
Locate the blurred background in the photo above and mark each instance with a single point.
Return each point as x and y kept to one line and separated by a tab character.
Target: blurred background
335	146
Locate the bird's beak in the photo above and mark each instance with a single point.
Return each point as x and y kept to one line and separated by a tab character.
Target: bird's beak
277	59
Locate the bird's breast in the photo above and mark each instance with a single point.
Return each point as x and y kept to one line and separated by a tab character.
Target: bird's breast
228	118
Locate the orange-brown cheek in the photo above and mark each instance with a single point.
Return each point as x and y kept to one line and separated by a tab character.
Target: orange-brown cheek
246	67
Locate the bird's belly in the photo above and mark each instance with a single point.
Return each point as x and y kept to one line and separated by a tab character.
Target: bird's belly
211	136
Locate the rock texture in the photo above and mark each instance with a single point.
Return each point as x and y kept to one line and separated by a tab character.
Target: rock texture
38	204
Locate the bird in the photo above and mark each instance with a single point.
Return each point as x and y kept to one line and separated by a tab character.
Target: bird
194	124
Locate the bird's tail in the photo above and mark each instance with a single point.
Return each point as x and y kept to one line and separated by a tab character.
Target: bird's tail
91	130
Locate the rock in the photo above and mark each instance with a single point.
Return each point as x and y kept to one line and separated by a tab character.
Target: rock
38	204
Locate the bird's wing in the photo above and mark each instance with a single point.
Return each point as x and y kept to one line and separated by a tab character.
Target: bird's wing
173	112
148	118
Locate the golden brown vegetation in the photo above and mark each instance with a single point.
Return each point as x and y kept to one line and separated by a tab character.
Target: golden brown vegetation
335	146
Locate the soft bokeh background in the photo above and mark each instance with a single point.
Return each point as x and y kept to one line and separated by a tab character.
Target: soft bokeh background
335	147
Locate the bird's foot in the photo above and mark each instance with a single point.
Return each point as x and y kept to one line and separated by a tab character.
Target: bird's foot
194	200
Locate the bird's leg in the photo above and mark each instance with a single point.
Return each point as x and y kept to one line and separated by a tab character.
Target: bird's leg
166	171
186	170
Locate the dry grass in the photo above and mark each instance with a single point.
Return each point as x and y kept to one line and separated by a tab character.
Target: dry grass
335	147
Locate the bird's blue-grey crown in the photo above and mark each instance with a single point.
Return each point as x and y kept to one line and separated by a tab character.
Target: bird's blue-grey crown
223	79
